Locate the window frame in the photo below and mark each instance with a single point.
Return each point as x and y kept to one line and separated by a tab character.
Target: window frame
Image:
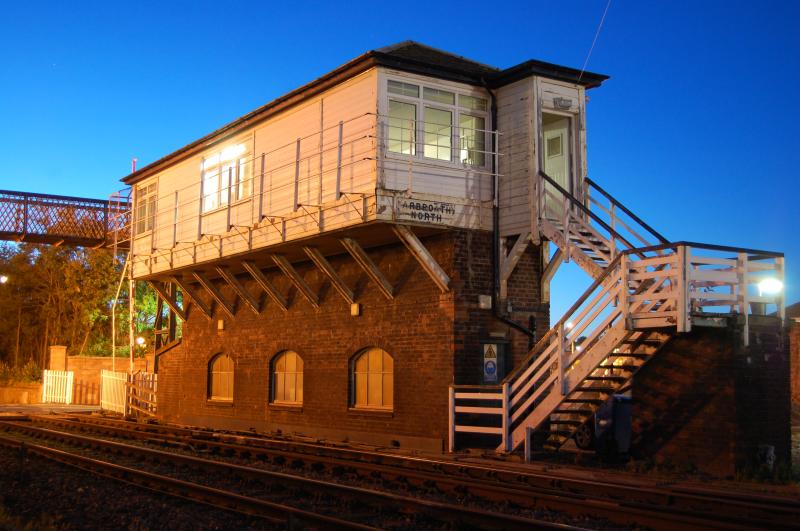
150	199
353	398
273	388
455	110
210	396
234	196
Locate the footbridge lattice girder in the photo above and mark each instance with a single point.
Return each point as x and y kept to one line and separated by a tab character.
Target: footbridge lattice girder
56	219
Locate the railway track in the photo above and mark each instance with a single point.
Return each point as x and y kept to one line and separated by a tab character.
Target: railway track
687	507
627	504
277	495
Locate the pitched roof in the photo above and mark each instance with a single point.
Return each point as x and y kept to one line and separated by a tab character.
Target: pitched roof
408	56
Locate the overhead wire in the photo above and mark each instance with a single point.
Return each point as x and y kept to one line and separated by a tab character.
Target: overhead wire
594	41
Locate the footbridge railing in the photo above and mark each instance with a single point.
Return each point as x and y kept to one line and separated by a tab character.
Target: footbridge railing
57	219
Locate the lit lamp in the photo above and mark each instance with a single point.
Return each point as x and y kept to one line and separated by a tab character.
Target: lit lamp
3	279
140	341
768	286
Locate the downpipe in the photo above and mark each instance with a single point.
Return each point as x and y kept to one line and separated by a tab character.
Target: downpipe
496	227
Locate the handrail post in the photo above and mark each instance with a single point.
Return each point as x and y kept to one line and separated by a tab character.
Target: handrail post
561	341
339	162
506	418
624	302
683	290
451	432
741	290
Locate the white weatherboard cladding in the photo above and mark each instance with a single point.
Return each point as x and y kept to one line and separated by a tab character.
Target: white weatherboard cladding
515	122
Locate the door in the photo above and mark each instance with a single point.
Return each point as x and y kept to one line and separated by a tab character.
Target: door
556	161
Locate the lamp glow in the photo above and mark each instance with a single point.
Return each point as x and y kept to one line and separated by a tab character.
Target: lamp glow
770	286
3	279
569	325
140	341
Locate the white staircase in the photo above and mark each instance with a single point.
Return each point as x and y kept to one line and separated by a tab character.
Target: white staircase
643	294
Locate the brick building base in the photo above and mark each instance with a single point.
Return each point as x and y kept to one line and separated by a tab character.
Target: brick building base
433	337
705	402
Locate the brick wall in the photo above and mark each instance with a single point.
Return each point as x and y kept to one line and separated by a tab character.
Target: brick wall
433	337
706	402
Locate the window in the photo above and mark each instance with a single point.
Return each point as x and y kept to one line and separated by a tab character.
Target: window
287	378
145	208
220	378
373	380
453	126
224	174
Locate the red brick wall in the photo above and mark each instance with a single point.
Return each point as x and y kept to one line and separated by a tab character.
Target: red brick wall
433	338
706	402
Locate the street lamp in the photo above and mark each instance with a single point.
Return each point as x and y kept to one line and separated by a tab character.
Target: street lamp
3	279
768	286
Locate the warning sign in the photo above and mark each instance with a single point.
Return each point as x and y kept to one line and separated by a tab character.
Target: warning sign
489	363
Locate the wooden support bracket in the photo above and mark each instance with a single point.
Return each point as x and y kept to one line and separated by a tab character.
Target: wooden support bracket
265	284
239	289
168	299
190	295
423	256
296	279
369	267
509	263
328	270
551	265
214	291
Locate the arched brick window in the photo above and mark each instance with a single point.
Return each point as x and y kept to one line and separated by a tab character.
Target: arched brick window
287	378
220	378
373	380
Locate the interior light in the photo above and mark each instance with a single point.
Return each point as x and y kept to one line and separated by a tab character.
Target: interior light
3	279
770	286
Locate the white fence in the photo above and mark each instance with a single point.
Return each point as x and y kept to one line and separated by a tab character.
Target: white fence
57	387
112	391
129	394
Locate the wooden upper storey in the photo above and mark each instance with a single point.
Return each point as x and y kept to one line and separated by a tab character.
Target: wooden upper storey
385	145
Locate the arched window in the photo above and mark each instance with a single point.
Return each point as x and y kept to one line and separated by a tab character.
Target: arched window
287	378
373	380
220	378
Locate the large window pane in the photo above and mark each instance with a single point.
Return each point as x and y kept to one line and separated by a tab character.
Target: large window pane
373	379
403	89
471	102
439	96
402	127
473	139
438	133
287	378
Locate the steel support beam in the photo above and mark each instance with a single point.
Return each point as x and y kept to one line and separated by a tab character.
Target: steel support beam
369	267
296	279
189	294
265	284
168	299
328	270
214	291
239	289
423	256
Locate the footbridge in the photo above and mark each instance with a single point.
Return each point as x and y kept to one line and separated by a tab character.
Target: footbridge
57	219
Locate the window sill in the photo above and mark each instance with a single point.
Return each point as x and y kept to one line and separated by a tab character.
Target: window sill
278	406
435	162
225	207
367	412
215	402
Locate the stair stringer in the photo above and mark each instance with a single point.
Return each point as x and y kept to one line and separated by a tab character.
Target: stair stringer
575	254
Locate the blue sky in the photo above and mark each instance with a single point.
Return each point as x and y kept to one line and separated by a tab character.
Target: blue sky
696	130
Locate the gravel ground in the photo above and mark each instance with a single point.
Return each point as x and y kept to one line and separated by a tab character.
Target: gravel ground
46	495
